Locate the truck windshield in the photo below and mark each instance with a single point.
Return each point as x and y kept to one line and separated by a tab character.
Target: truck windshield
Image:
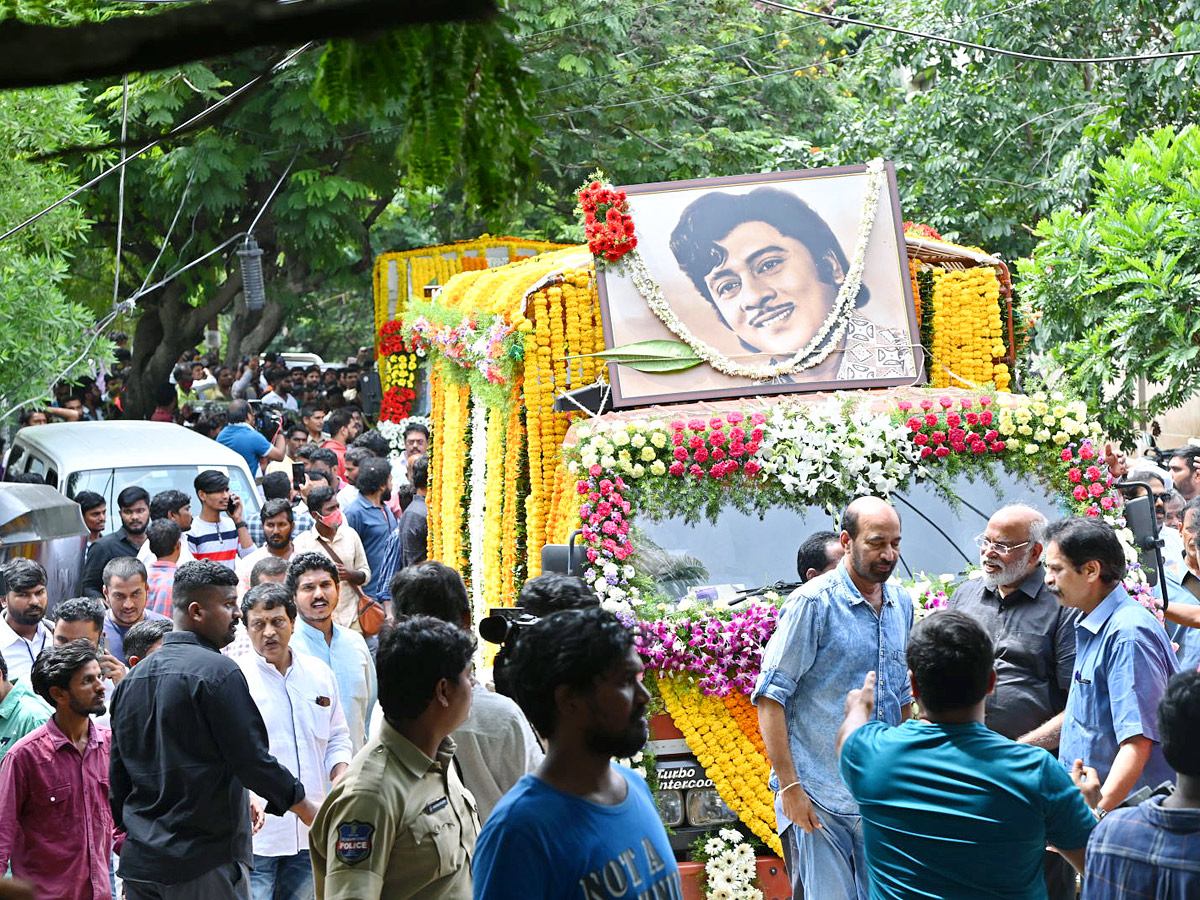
109	483
939	527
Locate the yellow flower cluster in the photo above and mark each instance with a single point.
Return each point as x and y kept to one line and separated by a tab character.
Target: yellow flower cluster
408	272
968	342
737	768
433	494
515	452
565	323
493	536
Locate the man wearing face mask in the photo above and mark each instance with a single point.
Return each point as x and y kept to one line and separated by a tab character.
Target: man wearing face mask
374	523
332	537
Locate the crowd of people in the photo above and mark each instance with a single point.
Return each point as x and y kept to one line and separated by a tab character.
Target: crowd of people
200	386
283	704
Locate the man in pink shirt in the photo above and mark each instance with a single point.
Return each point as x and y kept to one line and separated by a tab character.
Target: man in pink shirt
55	822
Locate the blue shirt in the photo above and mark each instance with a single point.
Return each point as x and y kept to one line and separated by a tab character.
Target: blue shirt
348	656
1147	851
542	844
246	442
827	640
116	633
959	812
1123	661
374	526
1188	639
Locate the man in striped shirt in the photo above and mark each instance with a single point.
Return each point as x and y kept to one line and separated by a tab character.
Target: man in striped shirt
218	533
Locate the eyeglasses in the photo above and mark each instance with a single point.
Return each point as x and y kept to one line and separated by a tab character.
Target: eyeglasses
984	543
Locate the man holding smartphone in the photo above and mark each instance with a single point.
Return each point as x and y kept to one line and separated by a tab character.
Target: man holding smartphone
219	533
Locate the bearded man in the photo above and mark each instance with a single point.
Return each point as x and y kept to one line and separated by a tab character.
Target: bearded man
1034	639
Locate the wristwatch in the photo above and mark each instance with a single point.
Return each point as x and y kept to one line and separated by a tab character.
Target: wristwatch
240	525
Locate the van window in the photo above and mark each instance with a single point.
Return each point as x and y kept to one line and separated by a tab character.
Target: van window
109	483
742	549
35	465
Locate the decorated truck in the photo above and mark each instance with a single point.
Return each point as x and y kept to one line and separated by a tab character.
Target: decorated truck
684	512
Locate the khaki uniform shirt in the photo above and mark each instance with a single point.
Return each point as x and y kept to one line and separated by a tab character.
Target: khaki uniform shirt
398	825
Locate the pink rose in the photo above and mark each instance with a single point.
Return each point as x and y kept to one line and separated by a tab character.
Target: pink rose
1096	489
676	469
1092	511
735	418
752	468
920	439
938	437
696	424
718	453
914	424
1093	473
904	405
979	447
958	446
946	402
581	487
596	471
592	554
1080	492
985	417
1066	455
991	435
757	419
926	404
972	418
715	422
931	420
606	486
701	455
998	447
942	451
716	438
1074	476
681	454
1108	502
953	420
677	425
965	403
985	402
926	452
1086	452
696	470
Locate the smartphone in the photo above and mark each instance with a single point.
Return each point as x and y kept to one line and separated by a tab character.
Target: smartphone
103	645
297	475
233	499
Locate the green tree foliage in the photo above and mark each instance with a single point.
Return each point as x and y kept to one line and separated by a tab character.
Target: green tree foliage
333	181
1117	287
985	144
41	332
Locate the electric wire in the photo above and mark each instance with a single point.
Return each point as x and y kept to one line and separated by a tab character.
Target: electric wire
200	116
971	45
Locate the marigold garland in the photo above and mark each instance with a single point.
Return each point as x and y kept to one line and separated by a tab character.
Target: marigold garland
968	344
738	770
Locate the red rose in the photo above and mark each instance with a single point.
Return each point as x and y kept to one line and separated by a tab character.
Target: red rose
953	420
931	420
718	453
942	451
1075	476
752	468
676	468
914	424
920	440
959	446
998	446
1086	452
1092	511
1080	492
1097	489
926	452
1065	456
701	455
938	437
681	454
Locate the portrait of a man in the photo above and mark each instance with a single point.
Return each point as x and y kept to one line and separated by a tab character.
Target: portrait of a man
754	272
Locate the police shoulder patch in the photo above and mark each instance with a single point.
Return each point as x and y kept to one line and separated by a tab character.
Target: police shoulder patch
353	841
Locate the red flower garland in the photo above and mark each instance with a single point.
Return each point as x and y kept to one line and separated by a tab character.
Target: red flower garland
606	221
948	431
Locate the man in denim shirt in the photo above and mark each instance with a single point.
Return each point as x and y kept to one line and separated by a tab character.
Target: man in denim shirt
831	633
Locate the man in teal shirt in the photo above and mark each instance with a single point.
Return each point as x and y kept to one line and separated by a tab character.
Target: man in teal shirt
951	809
21	710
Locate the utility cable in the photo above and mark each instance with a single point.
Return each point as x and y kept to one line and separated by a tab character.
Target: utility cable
200	116
970	45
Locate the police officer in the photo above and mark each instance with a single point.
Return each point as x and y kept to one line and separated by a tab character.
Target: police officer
400	824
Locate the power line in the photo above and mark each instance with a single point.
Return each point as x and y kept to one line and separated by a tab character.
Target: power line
204	113
970	45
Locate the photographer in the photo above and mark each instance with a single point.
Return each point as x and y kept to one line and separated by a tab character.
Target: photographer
240	436
540	596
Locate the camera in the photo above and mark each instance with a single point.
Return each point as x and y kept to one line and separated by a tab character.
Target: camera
504	625
268	419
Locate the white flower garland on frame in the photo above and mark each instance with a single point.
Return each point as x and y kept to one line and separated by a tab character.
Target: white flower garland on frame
826	339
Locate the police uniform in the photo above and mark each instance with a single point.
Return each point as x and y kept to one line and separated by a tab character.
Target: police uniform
397	825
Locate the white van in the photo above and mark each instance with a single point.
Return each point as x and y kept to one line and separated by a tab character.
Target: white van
107	457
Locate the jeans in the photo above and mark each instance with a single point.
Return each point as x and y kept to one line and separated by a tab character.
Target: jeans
831	862
282	877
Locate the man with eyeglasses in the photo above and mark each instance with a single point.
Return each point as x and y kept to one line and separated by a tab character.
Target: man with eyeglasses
1034	639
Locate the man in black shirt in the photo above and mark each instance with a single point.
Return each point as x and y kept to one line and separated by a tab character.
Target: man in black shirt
1034	639
187	742
134	504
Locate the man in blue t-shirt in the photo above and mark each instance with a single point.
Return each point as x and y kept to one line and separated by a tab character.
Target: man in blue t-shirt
240	436
951	809
579	827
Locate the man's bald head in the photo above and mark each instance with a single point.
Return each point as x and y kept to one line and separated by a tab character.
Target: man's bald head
1011	545
871	539
866	510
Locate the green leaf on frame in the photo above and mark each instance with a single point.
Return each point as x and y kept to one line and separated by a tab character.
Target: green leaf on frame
652	356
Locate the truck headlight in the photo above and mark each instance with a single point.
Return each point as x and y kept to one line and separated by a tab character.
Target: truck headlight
705	807
670	807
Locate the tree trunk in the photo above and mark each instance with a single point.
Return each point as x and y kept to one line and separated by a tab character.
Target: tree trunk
167	327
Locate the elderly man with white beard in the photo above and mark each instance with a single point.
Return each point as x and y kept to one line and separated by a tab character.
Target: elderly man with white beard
1034	639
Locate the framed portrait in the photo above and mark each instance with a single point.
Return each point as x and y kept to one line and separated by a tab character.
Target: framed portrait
779	282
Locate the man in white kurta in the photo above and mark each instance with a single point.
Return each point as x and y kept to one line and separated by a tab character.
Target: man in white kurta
297	696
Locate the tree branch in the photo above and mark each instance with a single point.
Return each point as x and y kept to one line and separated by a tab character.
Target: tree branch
35	55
